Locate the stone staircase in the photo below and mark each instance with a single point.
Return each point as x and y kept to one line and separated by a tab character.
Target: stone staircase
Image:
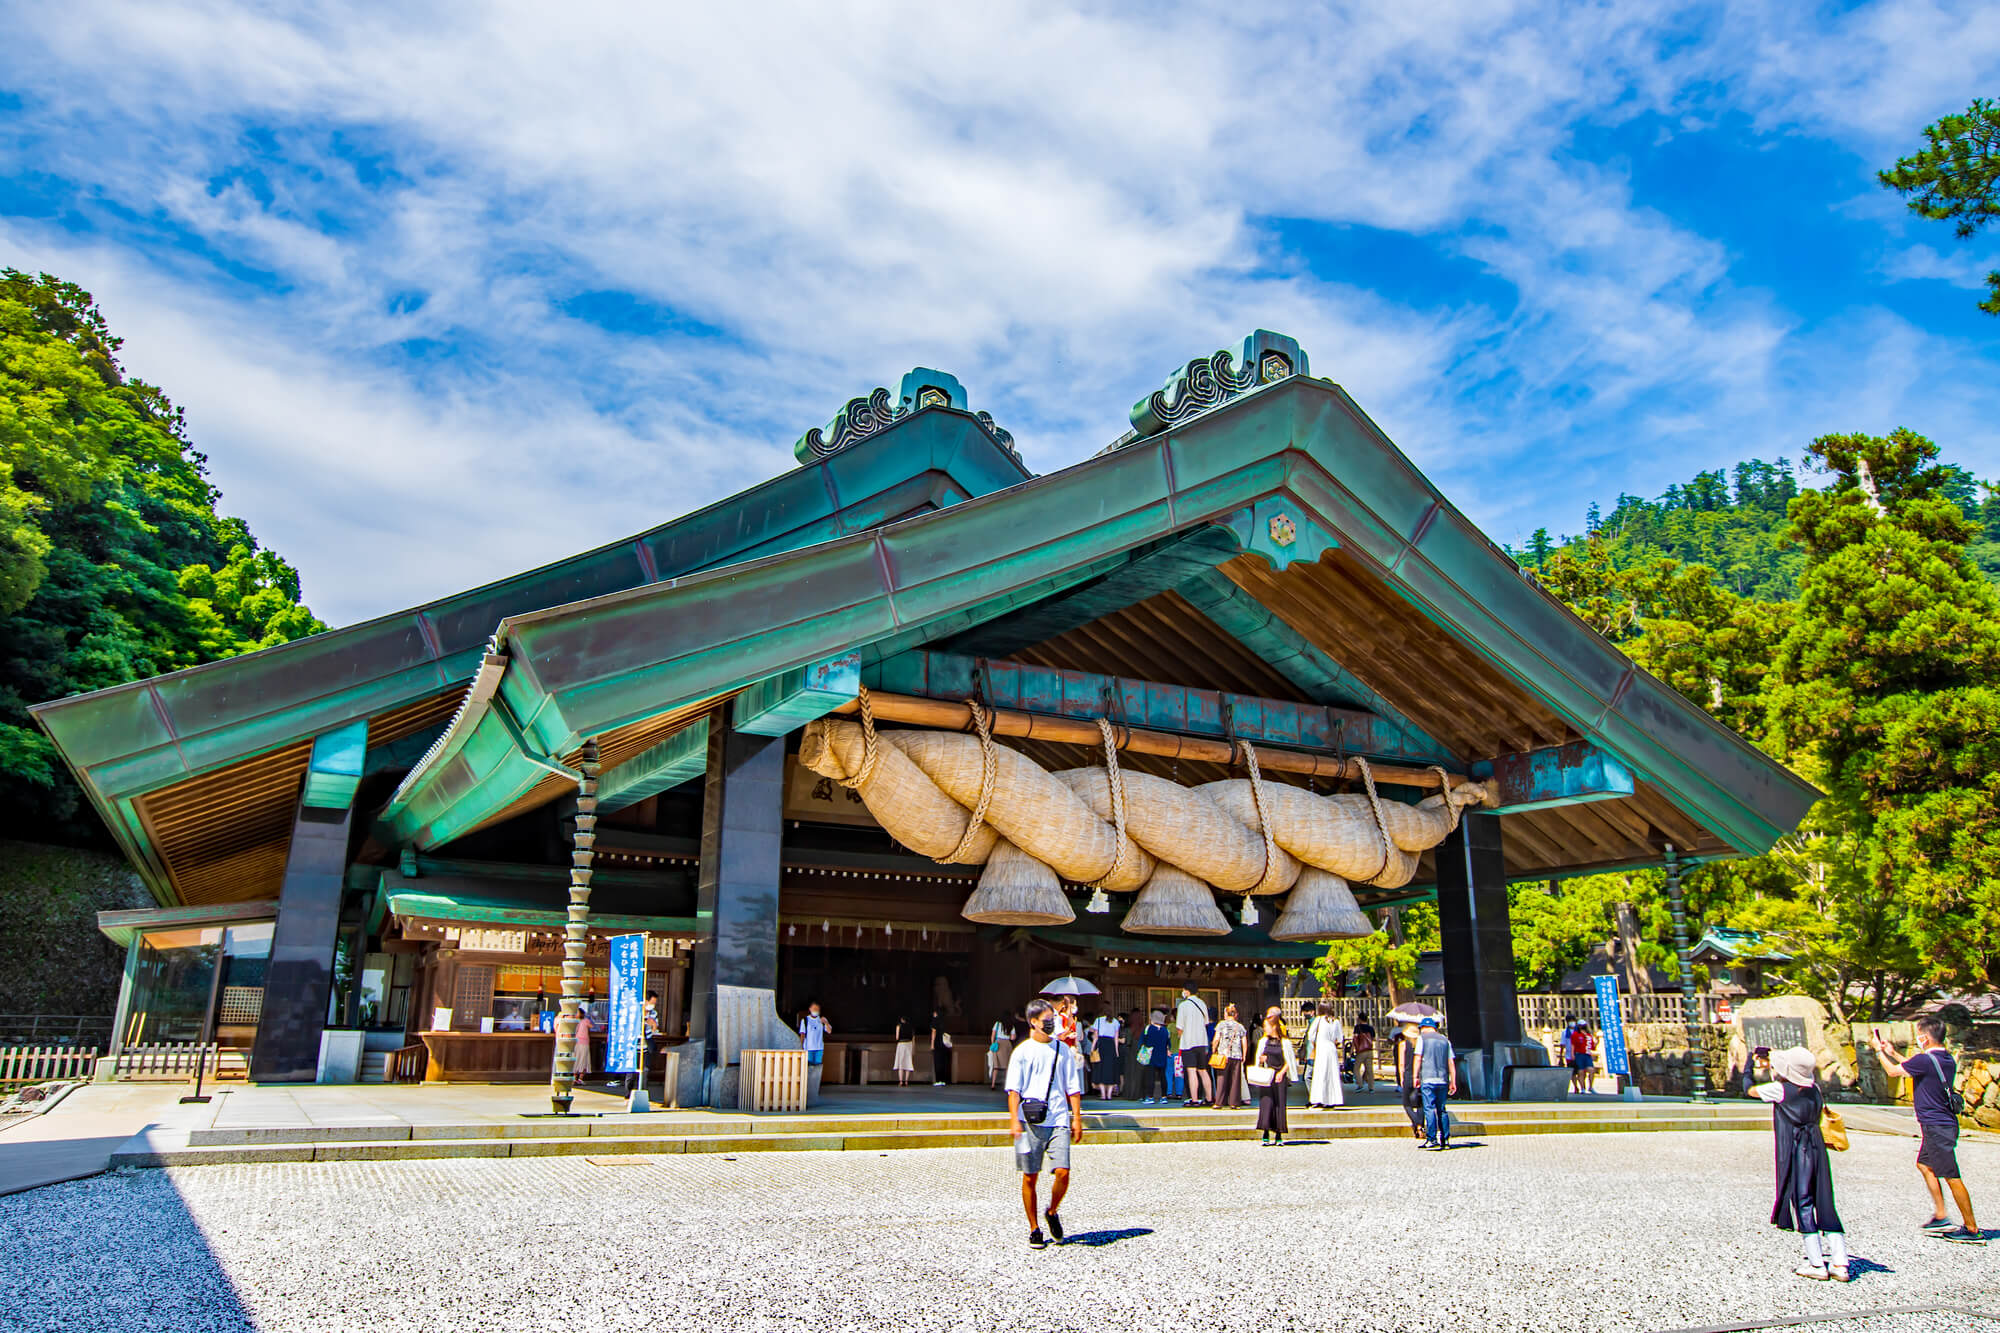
666	1133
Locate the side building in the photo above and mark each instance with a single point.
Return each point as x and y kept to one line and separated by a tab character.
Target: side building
906	731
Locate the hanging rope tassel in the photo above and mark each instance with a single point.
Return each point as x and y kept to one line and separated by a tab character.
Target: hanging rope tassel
989	773
1116	781
1381	825
870	750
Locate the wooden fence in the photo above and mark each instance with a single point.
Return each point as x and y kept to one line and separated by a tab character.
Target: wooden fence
772	1081
1537	1011
22	1065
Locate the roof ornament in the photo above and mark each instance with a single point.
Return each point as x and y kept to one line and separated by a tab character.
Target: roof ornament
920	390
1210	381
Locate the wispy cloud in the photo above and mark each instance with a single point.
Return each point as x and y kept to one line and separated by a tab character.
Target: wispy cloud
376	252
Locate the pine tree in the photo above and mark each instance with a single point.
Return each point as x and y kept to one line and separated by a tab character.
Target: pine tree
1887	691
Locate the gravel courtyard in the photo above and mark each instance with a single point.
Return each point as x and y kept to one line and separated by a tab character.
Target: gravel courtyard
1585	1232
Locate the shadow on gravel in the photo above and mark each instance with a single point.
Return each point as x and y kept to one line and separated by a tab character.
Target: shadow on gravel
121	1250
1097	1238
1857	1267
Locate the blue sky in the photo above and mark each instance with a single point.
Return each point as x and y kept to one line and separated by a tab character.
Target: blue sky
448	291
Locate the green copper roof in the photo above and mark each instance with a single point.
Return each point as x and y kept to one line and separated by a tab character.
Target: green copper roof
132	739
1301	445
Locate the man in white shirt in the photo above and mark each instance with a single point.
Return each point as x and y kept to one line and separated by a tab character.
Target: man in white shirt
812	1033
1191	1017
1045	1116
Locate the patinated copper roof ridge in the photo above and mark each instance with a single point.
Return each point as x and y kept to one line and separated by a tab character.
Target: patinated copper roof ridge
1305	478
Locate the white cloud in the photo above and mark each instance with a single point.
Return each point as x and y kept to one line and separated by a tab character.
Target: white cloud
1057	207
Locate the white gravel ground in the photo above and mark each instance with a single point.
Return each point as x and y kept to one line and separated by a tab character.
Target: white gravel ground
1600	1232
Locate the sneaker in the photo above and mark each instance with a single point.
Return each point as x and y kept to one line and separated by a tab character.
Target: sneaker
1054	1225
1938	1225
1037	1241
1961	1236
1839	1273
1813	1271
1146	1101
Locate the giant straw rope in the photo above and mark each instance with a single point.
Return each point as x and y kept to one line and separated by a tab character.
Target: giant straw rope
968	800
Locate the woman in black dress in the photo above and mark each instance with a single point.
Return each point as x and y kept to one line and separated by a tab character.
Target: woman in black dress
1272	1066
1805	1174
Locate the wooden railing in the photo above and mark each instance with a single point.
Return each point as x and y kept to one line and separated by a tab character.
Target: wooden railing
22	1065
177	1060
55	1030
409	1064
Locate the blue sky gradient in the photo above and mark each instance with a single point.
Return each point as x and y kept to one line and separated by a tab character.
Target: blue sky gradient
451	291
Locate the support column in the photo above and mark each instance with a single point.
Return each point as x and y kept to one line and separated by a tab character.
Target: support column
299	979
1697	1054
576	931
742	829
1481	1003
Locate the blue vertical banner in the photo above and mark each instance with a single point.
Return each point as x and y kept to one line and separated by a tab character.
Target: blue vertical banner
1611	1022
628	998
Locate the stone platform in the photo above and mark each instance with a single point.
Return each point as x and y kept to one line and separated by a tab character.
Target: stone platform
401	1123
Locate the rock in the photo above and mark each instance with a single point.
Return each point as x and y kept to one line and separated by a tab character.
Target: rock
1836	1066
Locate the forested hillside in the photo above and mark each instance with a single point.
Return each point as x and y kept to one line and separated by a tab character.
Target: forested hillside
1843	616
114	563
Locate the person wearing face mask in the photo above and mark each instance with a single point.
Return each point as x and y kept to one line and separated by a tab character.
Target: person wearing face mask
1044	1116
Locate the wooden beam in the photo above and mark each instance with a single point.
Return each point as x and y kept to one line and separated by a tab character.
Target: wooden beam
678	758
948	716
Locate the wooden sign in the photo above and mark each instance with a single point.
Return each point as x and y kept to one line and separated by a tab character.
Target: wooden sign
821	800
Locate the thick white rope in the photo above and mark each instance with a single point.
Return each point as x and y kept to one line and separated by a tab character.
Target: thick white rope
989	773
1116	781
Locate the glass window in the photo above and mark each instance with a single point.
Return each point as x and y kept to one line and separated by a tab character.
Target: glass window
176	983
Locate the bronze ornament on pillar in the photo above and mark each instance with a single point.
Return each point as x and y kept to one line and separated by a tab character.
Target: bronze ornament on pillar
576	936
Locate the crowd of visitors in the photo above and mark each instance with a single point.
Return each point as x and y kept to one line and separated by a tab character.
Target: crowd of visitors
1047	1063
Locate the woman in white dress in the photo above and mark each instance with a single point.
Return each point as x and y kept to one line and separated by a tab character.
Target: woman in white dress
906	1052
1323	1040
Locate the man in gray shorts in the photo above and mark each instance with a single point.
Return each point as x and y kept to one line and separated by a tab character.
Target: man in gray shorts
1045	1116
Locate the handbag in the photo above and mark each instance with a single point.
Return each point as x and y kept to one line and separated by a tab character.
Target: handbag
1260	1076
1145	1055
1833	1128
945	1039
1218	1061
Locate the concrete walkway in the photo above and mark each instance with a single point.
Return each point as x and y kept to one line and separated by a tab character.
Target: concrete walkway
76	1138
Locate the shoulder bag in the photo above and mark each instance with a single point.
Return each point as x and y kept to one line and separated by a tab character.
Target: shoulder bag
1257	1073
1034	1110
1952	1096
1833	1128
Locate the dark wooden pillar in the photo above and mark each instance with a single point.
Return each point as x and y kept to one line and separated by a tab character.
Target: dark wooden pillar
736	907
299	980
1480	1001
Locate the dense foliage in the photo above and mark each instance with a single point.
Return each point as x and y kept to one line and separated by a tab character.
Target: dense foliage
114	564
1849	631
1955	177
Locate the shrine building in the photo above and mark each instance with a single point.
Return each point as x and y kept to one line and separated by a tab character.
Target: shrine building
905	730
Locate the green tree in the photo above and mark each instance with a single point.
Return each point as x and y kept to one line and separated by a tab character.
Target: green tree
1556	930
1955	177
1886	690
113	562
1377	958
